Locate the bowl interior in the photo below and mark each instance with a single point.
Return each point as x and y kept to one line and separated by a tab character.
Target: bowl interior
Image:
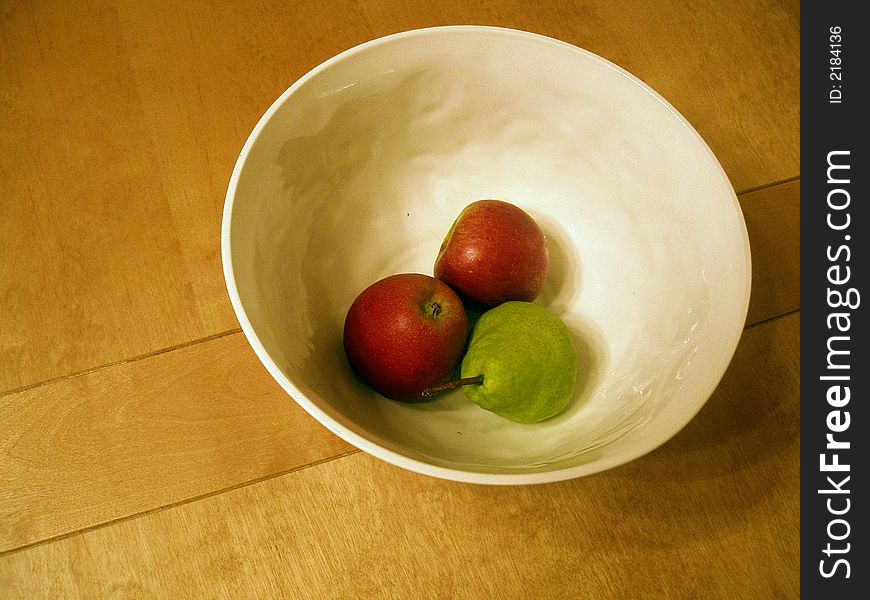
358	171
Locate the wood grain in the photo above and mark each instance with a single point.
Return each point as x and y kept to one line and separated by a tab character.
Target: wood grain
120	123
138	436
714	513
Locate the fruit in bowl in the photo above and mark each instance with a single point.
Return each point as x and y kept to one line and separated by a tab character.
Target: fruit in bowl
405	333
527	361
493	253
521	364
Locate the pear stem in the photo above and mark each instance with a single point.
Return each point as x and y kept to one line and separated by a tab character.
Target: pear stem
436	390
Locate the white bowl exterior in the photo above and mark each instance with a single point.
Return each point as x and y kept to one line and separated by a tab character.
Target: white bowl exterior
359	169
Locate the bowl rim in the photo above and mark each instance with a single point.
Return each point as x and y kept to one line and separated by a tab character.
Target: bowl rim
401	460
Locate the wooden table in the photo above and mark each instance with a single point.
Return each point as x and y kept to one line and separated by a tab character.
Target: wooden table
144	451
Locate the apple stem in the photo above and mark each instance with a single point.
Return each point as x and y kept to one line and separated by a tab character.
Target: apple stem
435	390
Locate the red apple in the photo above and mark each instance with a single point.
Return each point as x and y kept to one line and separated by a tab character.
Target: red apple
404	334
494	252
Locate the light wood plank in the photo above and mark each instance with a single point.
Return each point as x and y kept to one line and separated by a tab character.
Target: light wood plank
712	514
123	121
90	258
138	436
773	220
119	131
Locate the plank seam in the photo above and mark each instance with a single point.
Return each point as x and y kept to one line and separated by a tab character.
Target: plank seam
118	363
176	504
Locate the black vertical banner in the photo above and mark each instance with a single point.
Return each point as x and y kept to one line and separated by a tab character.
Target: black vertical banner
835	368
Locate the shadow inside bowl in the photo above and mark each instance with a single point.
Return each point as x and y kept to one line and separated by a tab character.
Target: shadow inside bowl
563	279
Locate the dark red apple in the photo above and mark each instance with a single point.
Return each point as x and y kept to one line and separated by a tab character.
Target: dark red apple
404	334
494	252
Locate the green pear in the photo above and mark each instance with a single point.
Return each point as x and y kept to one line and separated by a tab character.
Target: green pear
521	362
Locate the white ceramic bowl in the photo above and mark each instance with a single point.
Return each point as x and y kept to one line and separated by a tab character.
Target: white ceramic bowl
357	171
